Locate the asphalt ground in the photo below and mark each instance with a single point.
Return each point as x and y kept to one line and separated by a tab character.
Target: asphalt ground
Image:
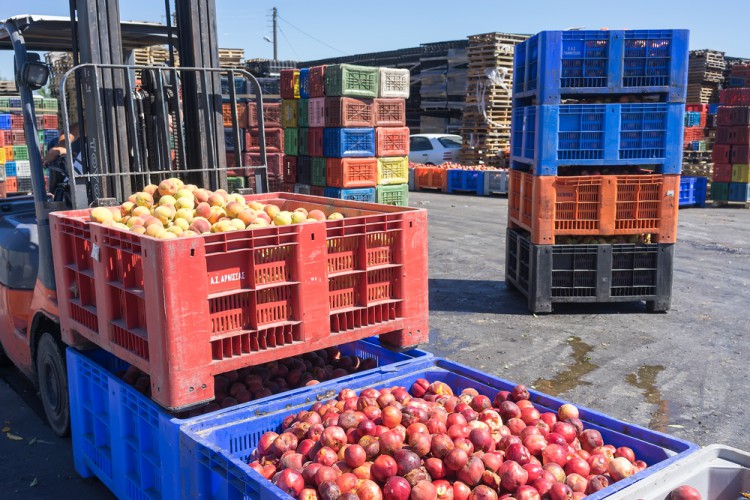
684	372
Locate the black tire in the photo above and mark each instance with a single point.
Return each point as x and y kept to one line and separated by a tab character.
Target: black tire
52	379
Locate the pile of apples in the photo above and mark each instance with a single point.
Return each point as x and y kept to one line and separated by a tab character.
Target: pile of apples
427	443
173	210
255	382
638	239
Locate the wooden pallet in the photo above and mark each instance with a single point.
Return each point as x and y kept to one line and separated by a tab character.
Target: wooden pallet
707	59
702	94
731	204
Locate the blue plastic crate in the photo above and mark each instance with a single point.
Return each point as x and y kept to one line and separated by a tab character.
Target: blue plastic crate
348	142
465	180
220	446
10	169
229	140
4	121
131	444
739	191
240	85
552	136
50	135
713	108
693	191
357	194
304	83
692	119
553	64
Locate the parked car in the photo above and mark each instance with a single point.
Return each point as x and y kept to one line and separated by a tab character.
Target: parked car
434	149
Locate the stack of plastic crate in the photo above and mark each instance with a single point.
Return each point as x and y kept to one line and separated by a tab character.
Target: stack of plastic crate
346	137
731	153
596	152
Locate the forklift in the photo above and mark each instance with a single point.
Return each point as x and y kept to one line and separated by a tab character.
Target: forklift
136	125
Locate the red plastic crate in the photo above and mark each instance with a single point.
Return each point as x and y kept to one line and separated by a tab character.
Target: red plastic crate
49	122
699	108
722	153
694	134
349	112
390	112
317	81
316	112
226	114
273	163
352	172
18	138
274	140
430	178
186	309
7	138
289	169
317	191
735	96
392	141
289	83
722	172
315	141
271	114
594	205
287	187
16	122
738	115
736	135
724	116
274	183
740	154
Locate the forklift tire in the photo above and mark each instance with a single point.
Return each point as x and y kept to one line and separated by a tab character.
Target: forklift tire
53	384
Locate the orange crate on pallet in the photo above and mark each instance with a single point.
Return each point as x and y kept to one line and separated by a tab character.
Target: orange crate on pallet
391	141
430	178
187	309
352	172
594	205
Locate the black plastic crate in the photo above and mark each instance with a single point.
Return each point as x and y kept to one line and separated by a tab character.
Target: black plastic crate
304	170
549	274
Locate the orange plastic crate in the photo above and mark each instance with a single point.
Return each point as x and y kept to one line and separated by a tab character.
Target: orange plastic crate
430	178
390	112
271	114
594	205
186	309
391	141
352	172
226	114
11	185
274	140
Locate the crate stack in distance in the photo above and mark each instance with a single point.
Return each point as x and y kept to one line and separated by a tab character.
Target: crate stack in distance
731	153
15	169
345	133
596	153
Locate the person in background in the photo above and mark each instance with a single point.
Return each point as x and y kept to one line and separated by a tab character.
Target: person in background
58	147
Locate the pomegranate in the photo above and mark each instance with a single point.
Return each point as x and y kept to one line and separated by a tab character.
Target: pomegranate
597	483
512	475
577	483
443	489
396	488
461	491
560	491
620	468
369	490
591	439
329	490
567	411
577	465
436	468
456	459
289	481
406	461
423	490
625	452
347	482
482	492
441	445
471	473
684	492
527	492
383	467
519	392
354	455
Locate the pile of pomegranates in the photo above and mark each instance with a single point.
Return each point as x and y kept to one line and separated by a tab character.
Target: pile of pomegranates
255	382
427	443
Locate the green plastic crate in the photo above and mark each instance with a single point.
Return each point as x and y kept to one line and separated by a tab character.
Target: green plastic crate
235	183
720	191
291	141
397	195
303	116
38	102
4	103
348	80
318	171
50	104
302	141
20	153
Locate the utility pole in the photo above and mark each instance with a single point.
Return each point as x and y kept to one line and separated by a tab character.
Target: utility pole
275	54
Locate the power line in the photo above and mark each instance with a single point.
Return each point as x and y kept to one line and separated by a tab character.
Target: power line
288	42
314	38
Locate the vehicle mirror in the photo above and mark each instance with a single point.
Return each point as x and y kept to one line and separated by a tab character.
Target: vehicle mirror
34	72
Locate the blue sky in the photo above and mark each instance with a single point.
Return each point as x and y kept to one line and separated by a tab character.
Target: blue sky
318	29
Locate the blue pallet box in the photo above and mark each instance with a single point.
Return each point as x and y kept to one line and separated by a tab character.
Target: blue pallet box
218	448
10	169
465	181
132	445
357	194
693	191
553	64
551	136
348	142
304	83
739	191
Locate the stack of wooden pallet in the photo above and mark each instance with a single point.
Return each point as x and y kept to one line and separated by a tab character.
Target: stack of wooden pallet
8	87
231	58
705	75
486	119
